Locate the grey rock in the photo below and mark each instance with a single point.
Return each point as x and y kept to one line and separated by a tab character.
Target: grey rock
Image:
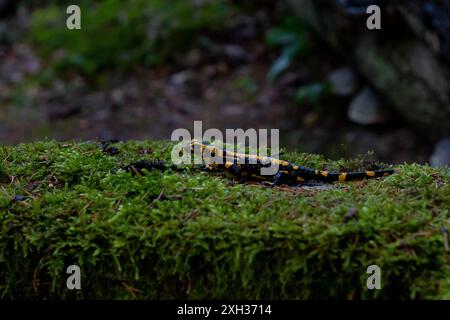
405	71
343	81
441	154
367	109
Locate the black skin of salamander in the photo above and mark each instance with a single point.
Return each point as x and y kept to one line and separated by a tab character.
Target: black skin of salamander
289	173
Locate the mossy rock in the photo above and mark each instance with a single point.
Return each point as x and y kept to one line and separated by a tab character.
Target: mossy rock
194	234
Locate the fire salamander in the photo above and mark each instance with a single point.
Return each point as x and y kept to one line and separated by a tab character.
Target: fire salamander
240	166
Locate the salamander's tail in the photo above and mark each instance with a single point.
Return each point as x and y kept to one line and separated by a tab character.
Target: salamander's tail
348	176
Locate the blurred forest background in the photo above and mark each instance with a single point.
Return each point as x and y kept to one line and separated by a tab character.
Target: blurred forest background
142	68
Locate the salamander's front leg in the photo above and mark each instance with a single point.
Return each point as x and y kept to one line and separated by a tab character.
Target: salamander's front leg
234	169
279	177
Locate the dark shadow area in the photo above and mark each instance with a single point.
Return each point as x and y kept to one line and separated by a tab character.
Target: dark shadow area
141	69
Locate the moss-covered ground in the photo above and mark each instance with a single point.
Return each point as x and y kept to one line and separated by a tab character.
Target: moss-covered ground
198	235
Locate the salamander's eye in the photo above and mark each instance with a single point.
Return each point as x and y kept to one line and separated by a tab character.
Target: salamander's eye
213	153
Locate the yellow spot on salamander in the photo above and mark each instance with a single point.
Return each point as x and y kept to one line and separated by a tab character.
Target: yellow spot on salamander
296	167
300	179
370	173
280	162
343	176
228	165
386	174
324	173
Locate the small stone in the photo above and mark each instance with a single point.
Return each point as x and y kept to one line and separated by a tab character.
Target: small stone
236	53
118	97
441	154
351	214
181	78
343	81
312	185
367	109
18	198
234	110
193	58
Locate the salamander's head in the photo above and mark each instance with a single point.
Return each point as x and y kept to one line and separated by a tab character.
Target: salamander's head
195	142
202	145
205	148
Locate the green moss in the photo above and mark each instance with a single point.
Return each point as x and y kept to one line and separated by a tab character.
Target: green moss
123	34
194	234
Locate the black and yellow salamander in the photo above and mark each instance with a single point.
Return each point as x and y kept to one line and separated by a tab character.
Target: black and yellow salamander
247	167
